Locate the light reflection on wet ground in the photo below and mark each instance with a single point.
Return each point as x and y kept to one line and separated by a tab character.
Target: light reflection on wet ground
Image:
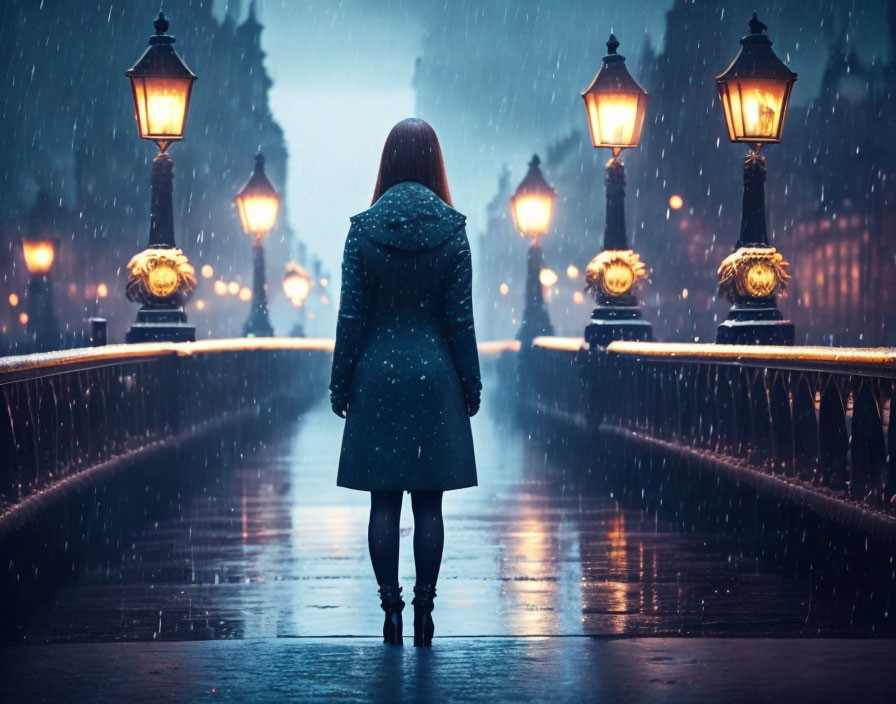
275	549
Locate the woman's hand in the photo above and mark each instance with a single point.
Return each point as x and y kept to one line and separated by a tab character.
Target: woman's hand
472	404
339	405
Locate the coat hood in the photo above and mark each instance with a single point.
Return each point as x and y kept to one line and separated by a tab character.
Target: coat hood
410	217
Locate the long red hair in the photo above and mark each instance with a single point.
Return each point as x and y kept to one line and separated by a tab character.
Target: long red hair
412	153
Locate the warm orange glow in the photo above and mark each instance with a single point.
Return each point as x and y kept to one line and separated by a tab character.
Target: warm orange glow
102	291
572	271
325	300
296	284
245	293
23	318
220	287
684	293
504	289
233	288
161	105
578	298
532	214
200	304
207	271
754	108
615	119
258	213
324	282
676	201
39	256
13	299
547	277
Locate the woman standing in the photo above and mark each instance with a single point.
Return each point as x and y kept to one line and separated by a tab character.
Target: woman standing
405	368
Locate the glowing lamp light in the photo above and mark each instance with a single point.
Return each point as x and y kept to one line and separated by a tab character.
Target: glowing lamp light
258	202
13	299
616	104
161	84
245	293
23	318
504	289
547	277
200	304
676	202
755	90
233	288
220	287
102	291
39	256
578	298
572	271
532	204
297	284
207	271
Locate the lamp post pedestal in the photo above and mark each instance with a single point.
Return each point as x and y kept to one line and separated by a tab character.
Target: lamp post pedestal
258	323
536	321
755	273
612	274
160	277
43	327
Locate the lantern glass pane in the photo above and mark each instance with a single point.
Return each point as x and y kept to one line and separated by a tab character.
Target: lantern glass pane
161	105
532	214
296	287
615	119
39	256
258	213
755	109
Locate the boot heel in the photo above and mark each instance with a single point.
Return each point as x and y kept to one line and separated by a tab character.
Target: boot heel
423	623
392	605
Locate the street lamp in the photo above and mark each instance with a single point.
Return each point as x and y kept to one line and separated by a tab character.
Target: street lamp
755	91
42	327
532	208
297	286
258	205
616	105
160	277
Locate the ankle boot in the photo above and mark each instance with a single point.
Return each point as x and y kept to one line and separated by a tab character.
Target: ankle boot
423	625
392	604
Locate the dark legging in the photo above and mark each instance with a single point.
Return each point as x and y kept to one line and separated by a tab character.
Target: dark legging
383	532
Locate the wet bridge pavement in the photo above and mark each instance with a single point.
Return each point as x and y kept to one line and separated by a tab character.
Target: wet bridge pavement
549	588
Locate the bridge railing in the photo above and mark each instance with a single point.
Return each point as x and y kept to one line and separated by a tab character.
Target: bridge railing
809	422
69	417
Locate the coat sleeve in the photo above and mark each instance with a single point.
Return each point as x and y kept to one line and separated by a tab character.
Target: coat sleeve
459	320
351	321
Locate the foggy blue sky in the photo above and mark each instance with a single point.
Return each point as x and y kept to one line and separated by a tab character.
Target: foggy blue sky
510	72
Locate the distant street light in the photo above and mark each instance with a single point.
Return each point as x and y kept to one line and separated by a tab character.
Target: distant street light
160	277
532	208
616	105
755	91
39	317
297	286
258	205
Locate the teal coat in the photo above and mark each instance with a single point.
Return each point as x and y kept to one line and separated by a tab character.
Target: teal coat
405	360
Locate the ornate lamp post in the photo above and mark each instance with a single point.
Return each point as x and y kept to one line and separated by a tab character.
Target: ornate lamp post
532	207
616	106
258	205
42	327
755	90
297	287
160	277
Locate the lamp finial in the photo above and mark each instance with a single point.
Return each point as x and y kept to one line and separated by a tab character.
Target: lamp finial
612	44
756	26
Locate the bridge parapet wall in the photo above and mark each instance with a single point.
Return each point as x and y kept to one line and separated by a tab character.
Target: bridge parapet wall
70	418
810	425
